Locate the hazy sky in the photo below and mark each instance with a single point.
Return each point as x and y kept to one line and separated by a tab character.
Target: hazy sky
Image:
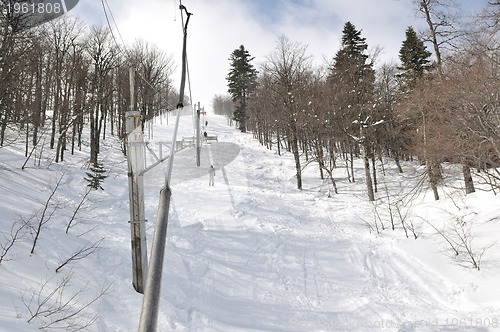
217	27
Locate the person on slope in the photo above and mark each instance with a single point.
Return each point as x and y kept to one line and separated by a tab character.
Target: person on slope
211	174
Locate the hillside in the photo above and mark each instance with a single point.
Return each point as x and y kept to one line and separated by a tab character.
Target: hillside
251	253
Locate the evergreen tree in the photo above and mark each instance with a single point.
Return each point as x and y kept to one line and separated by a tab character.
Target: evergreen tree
241	79
414	58
352	73
96	175
352	79
414	62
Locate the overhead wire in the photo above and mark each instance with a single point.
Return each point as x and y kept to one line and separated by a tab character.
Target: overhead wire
122	47
103	2
116	25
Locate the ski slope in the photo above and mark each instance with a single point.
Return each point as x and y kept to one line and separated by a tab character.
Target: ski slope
251	253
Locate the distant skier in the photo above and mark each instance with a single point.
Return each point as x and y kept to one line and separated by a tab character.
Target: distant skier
211	174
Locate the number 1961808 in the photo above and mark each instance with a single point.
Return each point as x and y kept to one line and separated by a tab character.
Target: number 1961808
33	8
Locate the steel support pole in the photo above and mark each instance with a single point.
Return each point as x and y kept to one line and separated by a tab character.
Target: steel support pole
198	137
151	301
150	305
135	163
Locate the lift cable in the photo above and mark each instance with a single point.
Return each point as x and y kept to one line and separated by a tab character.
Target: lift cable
122	47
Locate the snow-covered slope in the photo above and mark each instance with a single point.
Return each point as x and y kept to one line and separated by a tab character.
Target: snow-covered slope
251	253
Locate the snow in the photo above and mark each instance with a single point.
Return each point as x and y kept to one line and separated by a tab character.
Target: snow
251	253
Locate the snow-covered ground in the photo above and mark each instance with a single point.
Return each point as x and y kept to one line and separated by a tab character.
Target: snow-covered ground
251	253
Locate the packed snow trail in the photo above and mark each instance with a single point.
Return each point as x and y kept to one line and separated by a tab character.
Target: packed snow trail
253	253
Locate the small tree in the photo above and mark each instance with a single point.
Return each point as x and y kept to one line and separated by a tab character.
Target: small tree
56	305
47	213
17	231
96	176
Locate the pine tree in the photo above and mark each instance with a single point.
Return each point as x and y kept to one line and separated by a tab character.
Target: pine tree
96	176
352	79
414	62
352	71
414	58
241	79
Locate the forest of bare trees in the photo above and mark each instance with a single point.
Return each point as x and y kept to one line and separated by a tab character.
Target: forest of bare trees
62	78
439	107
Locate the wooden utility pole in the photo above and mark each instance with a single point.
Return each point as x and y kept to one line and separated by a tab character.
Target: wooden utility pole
135	161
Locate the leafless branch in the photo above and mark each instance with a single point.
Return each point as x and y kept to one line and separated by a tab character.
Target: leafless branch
17	231
60	307
81	253
43	218
82	201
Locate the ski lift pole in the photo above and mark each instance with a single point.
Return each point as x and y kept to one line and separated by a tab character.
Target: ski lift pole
198	145
135	164
150	305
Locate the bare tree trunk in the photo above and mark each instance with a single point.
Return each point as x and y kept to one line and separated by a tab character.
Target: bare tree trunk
320	156
374	170
432	179
296	154
57	103
398	164
469	183
351	163
425	9
278	142
3	128
368	178
94	135
347	167
37	107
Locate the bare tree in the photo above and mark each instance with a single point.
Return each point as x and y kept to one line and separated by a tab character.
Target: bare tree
78	207
59	307
154	68
46	215
15	45
81	253
17	231
444	25
104	56
223	105
64	37
266	125
289	67
460	238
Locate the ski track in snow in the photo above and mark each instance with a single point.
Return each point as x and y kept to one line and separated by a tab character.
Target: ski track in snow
253	253
280	268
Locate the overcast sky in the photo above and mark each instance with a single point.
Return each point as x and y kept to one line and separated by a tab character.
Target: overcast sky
217	27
